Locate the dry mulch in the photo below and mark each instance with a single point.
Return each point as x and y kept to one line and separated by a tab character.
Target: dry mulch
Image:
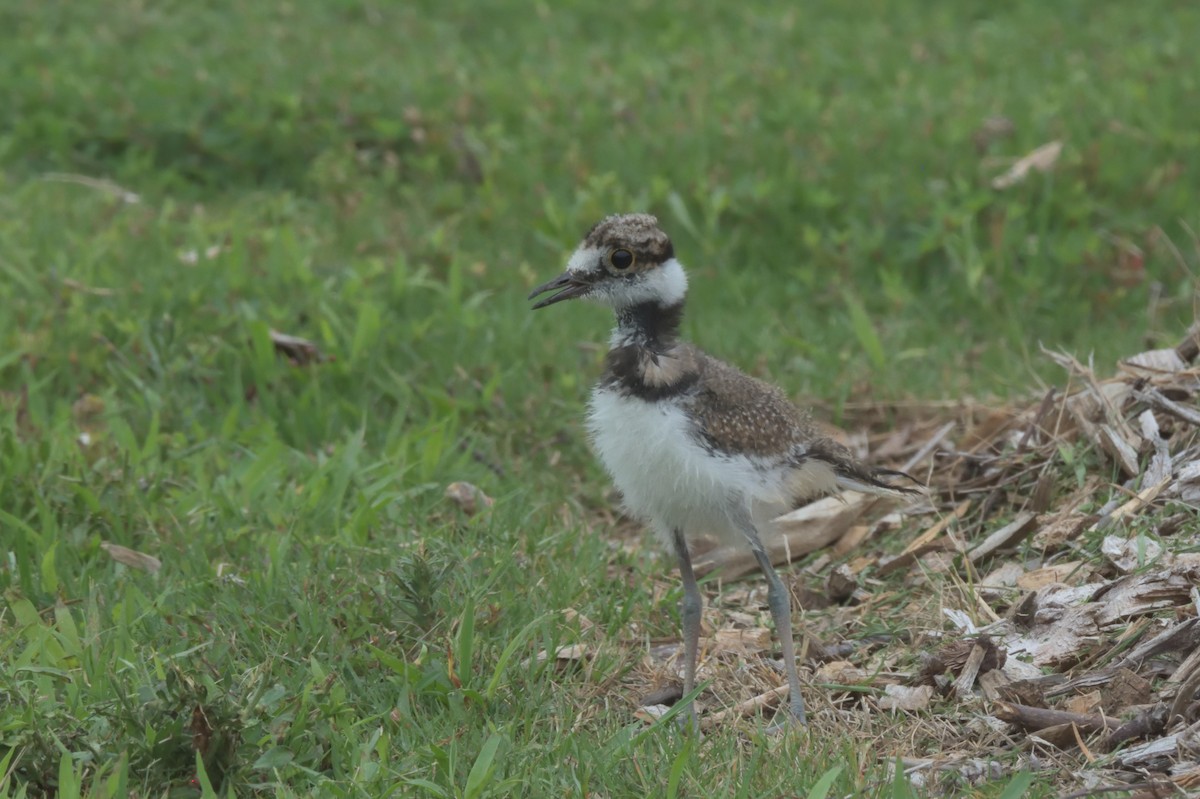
1038	610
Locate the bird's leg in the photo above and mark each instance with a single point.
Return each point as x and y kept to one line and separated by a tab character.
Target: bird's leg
693	606
780	602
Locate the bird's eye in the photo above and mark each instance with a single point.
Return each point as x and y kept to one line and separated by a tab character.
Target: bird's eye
621	259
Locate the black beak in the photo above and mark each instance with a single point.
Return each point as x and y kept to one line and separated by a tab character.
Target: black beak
571	287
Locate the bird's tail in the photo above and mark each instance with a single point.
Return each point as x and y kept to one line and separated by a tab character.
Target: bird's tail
852	474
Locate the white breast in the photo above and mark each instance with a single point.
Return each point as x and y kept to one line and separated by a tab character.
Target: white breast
668	479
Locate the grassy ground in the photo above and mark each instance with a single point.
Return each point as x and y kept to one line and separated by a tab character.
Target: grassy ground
389	180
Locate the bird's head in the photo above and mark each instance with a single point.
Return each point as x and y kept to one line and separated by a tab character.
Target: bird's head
624	261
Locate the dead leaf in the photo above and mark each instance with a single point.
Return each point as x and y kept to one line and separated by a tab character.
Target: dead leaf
663	695
299	351
648	714
468	497
738	641
1006	575
202	731
1061	530
106	186
1042	159
840	672
570	614
571	653
1058	573
131	558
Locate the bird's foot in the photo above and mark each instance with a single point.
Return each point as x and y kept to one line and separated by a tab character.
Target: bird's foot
791	719
688	721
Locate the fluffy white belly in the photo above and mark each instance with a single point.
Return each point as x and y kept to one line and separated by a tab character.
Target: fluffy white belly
669	480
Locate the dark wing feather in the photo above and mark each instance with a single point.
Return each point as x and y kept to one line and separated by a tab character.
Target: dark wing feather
853	474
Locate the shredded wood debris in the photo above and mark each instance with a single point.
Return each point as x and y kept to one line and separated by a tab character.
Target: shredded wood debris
1043	601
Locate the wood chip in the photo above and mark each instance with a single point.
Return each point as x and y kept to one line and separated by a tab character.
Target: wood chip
925	543
1008	535
966	680
1150	753
751	707
1039	718
906	697
1181	637
993	683
928	447
1125	689
1154	362
1140	502
1002	579
852	539
841	584
1060	736
1119	449
1155	398
805	530
1083	703
1130	554
1159	469
1139	594
1189	666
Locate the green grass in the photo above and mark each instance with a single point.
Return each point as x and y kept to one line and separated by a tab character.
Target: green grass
389	181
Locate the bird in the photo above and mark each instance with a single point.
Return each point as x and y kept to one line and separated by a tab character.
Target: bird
694	445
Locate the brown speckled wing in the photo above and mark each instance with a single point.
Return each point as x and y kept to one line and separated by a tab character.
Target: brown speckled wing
737	414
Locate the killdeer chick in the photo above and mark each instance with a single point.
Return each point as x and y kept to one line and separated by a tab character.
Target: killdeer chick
695	445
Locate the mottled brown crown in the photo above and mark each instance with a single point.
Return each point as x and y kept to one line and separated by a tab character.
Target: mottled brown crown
638	233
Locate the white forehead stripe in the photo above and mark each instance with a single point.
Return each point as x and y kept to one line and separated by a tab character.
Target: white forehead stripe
584	259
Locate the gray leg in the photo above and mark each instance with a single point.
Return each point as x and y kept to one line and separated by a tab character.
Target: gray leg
693	606
780	602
